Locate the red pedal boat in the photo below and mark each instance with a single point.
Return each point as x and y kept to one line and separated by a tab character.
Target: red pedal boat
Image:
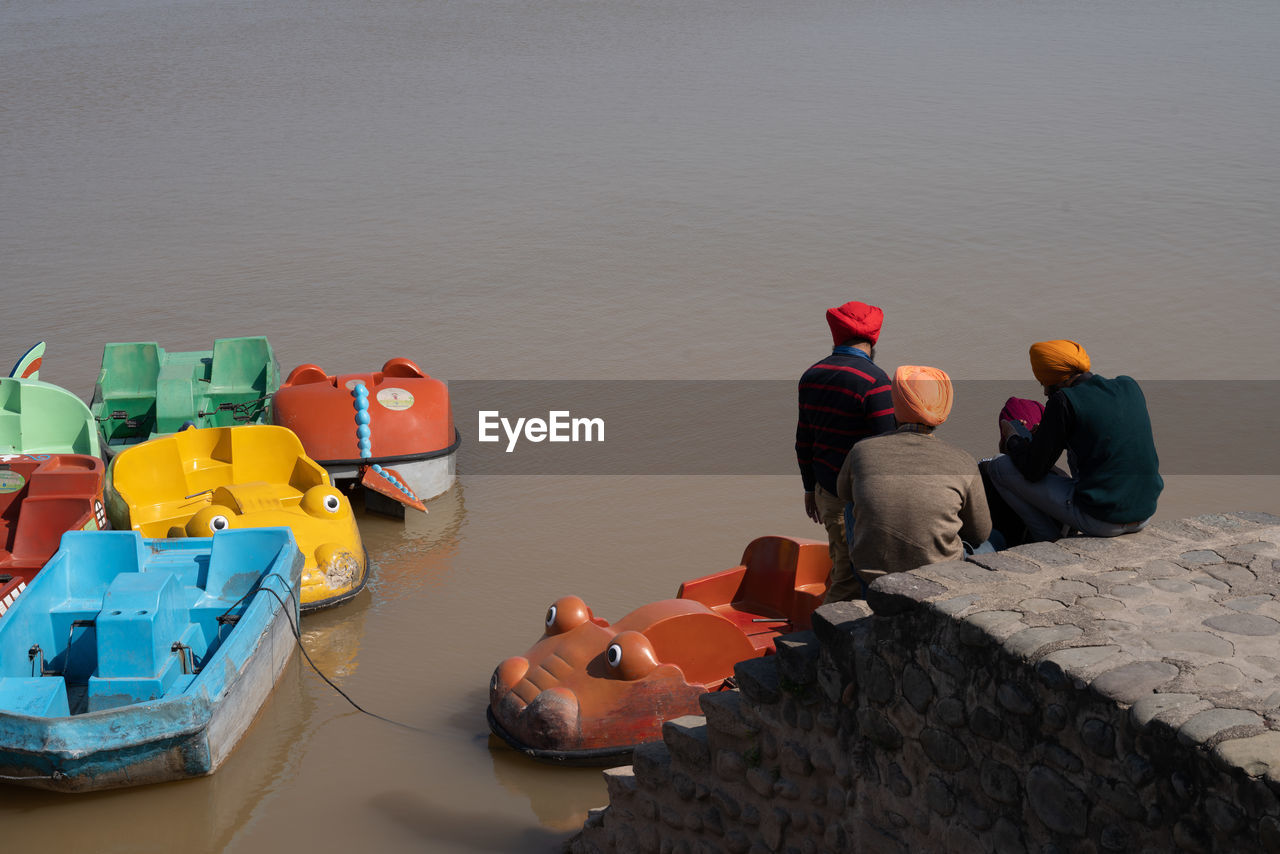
589	692
42	496
390	430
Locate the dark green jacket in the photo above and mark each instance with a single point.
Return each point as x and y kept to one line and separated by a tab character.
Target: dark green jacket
1104	426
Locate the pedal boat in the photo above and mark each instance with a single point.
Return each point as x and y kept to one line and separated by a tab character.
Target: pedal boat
589	692
144	391
131	661
391	430
198	482
37	417
41	498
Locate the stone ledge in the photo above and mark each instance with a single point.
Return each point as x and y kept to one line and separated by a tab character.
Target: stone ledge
686	739
901	592
797	655
758	680
1104	695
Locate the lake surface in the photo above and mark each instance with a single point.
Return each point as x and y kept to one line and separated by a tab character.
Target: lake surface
576	190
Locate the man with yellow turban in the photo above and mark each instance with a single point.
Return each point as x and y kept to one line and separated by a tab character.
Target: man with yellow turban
915	500
843	399
1104	427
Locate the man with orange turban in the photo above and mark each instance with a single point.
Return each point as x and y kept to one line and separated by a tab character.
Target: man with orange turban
915	500
1104	427
843	398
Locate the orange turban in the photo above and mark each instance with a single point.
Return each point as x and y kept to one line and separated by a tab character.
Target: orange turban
855	320
921	395
1054	361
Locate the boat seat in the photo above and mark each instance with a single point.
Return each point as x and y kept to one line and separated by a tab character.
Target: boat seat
175	396
225	580
65	476
779	582
71	622
745	616
38	696
10	429
129	369
42	524
240	366
258	496
127	389
143	614
10	507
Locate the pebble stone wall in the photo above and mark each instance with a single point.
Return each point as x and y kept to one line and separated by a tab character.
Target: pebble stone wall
1093	695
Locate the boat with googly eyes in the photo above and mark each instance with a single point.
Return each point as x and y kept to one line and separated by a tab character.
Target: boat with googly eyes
589	691
389	431
197	482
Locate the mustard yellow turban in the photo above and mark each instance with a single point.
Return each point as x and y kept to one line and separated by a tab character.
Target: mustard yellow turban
1054	361
921	395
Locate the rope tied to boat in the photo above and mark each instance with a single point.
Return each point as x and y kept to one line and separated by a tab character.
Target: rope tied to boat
56	775
297	637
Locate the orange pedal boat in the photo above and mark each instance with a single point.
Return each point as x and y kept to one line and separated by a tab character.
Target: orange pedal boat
391	430
589	692
42	496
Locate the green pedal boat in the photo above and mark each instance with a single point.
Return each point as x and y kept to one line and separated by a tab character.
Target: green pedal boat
41	418
144	392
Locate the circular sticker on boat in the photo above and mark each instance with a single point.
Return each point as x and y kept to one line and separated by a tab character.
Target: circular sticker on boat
11	481
395	398
350	384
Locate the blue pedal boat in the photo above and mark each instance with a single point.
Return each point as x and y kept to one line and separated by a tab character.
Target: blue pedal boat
130	661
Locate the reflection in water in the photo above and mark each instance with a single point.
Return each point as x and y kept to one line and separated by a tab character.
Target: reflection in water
559	795
418	549
332	636
469	831
197	815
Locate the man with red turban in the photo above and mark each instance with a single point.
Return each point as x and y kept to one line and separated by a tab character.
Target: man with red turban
1104	427
843	398
915	500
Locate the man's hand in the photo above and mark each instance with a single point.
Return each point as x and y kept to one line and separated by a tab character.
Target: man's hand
811	507
1009	429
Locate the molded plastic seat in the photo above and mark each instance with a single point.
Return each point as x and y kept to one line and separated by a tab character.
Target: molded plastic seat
38	696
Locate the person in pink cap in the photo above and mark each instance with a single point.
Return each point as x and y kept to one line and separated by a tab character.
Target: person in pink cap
844	397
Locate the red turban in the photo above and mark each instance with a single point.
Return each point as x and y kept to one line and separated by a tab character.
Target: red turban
855	320
921	395
1029	412
1055	361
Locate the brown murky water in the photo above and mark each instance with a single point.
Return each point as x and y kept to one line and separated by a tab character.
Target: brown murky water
625	191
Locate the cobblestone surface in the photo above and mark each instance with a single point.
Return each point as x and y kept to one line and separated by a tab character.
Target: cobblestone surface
1085	695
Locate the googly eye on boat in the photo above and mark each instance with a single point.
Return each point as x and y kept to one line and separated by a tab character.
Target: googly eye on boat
566	613
324	501
631	656
210	520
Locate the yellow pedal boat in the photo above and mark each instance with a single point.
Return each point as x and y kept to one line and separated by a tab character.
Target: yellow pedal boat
200	481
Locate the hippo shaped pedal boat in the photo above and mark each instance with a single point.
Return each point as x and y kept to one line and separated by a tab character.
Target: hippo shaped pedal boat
589	691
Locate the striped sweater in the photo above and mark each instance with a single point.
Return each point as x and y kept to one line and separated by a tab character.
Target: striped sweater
843	398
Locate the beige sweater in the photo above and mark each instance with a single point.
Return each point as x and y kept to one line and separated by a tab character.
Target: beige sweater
914	499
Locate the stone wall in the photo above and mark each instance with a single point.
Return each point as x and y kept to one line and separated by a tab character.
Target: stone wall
1089	695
